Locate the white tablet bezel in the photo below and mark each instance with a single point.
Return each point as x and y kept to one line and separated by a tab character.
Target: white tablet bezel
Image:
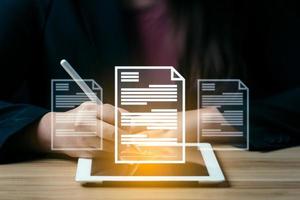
84	167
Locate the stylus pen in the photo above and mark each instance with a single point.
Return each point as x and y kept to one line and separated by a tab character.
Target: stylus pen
81	83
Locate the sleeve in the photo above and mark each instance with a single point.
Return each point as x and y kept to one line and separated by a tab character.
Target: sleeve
21	25
275	121
14	119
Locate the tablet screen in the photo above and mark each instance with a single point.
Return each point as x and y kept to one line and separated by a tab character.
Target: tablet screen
193	167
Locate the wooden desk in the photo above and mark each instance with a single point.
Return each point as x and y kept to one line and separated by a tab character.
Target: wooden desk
251	175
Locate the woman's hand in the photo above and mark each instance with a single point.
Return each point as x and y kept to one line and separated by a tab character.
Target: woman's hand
43	131
191	137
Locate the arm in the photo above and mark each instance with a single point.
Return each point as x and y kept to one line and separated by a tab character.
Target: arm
26	131
20	28
274	121
14	120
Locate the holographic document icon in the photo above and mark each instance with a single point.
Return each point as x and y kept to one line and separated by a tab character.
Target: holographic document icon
65	96
154	100
228	125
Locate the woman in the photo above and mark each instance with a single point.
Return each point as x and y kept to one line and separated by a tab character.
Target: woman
256	42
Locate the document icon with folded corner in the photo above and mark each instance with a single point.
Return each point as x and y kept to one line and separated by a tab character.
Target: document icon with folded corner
229	126
155	100
68	127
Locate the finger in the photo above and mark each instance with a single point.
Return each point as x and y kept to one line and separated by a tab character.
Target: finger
95	144
122	110
106	112
81	112
102	128
108	146
130	129
107	151
134	129
108	132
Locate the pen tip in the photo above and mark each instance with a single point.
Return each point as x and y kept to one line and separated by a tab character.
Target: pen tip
63	61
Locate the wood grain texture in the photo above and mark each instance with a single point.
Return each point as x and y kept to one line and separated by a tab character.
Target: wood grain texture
251	175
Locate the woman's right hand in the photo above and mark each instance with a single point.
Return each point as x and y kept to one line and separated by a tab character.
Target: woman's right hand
108	130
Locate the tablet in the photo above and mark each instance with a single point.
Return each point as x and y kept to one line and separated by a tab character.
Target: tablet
204	169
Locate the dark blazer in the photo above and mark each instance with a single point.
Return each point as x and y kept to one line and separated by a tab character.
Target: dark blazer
36	34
